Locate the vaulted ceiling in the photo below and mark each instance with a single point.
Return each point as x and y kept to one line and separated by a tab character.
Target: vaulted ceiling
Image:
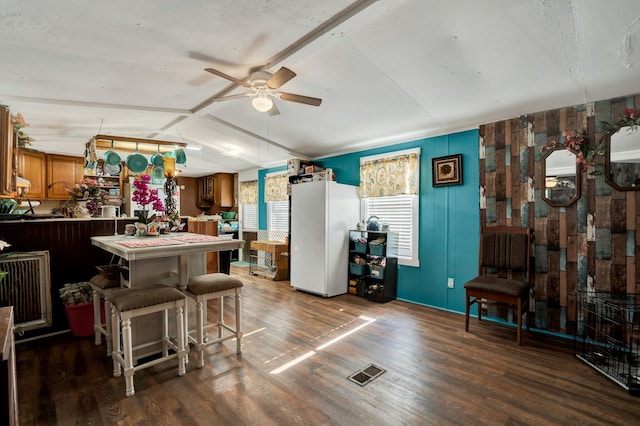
386	70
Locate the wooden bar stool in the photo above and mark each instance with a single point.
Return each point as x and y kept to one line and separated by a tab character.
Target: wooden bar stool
102	288
203	288
134	302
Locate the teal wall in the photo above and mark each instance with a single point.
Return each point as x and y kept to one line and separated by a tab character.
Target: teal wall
449	219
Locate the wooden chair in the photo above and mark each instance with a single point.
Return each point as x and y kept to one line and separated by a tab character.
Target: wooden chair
504	251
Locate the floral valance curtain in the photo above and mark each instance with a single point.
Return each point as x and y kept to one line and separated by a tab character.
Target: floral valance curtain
397	175
249	192
275	187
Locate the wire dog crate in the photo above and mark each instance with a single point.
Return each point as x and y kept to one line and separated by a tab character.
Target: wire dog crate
608	336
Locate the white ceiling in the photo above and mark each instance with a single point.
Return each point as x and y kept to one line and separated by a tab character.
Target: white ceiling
387	70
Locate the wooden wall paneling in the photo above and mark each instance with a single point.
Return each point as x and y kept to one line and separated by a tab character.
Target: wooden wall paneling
618	278
498	137
562	229
618	106
501	213
603	212
631	199
553	269
563	288
553	304
562	119
603	275
631	275
553	232
571	119
619	249
553	123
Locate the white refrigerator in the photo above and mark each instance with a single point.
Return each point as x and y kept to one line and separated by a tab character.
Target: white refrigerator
322	213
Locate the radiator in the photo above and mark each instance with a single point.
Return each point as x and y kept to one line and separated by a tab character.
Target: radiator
27	287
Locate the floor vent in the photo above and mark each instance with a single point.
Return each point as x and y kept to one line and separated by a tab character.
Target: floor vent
367	374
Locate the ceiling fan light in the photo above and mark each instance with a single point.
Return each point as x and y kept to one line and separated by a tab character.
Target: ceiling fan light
262	103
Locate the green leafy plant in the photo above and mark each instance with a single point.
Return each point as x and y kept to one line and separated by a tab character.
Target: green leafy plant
18	122
586	151
4	245
629	118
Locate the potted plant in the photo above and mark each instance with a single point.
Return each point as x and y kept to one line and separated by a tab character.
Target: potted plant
146	199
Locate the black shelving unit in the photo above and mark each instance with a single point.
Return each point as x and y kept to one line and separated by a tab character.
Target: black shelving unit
373	265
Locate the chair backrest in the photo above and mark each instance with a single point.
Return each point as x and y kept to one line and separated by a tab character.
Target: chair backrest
505	248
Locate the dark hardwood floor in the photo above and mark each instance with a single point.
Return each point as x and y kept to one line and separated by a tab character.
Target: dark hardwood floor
435	372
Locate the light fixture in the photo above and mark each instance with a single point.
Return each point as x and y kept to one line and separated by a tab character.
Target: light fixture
169	164
262	101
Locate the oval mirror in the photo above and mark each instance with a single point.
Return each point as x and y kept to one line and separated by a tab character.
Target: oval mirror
622	159
561	177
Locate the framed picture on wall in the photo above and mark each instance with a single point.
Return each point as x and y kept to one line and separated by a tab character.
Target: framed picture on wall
447	170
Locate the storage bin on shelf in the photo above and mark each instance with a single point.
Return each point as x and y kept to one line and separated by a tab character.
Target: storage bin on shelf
358	269
360	247
376	249
376	271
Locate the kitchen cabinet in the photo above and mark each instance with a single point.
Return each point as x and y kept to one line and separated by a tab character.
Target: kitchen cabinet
62	170
223	195
216	191
373	265
205	192
32	165
209	227
7	153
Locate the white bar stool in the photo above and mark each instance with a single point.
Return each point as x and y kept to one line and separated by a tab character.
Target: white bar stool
203	288
102	288
134	302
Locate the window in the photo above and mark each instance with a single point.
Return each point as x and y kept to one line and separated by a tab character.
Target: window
394	197
250	216
249	205
275	195
278	216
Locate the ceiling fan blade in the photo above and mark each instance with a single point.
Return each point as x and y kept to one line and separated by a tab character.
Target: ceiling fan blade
274	110
228	77
280	77
291	97
231	97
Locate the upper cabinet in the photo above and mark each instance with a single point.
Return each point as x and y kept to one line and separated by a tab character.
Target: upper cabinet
62	170
216	191
223	189
33	167
7	153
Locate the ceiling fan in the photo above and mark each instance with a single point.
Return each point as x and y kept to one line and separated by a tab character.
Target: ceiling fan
264	85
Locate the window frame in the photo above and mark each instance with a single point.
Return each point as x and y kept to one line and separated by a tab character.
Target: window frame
414	260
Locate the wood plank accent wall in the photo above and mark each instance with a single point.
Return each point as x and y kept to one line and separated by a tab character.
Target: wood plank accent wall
73	258
590	244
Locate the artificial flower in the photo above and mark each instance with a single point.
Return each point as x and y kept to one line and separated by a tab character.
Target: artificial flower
146	198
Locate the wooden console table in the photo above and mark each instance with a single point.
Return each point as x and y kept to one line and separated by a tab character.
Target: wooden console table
275	263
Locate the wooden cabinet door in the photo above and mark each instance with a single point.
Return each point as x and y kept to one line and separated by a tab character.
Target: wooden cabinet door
223	189
32	166
62	171
207	228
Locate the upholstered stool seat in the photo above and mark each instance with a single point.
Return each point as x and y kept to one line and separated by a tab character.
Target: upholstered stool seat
102	287
203	288
134	302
